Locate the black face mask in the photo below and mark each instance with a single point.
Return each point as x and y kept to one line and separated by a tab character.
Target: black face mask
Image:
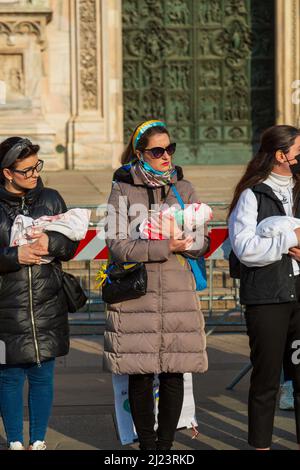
295	169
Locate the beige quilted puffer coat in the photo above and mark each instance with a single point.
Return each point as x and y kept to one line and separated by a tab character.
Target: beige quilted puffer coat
162	331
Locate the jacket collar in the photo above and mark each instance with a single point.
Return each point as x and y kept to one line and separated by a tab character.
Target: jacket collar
126	174
263	188
30	196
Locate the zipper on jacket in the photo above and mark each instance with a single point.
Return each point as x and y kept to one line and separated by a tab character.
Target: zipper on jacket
32	319
24	208
161	314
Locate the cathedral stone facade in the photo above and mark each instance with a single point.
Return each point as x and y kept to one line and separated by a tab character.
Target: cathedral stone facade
78	74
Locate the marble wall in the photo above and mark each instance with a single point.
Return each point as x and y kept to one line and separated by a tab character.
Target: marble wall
288	62
62	66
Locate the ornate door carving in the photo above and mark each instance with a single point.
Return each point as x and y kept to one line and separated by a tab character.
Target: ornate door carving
204	66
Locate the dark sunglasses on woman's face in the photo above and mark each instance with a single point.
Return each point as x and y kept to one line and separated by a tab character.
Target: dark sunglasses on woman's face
157	152
29	172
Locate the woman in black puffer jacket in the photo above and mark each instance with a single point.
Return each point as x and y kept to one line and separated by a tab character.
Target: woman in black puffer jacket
33	309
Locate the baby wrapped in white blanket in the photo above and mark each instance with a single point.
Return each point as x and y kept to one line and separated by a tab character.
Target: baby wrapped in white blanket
276	225
192	217
73	224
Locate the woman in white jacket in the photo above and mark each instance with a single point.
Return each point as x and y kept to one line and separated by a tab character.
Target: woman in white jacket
269	273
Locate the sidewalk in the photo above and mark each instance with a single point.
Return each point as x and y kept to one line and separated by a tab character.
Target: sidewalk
214	183
83	414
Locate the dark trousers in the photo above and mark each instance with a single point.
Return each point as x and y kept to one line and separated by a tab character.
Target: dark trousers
287	365
271	329
169	408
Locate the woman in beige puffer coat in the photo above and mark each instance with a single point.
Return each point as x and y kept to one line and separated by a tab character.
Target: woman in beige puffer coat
163	331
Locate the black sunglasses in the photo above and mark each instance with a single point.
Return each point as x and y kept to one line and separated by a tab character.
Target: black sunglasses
29	172
157	152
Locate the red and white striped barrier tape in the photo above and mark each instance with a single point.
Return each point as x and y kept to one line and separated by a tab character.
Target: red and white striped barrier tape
93	247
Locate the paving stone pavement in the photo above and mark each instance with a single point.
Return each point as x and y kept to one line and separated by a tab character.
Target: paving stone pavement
83	414
214	183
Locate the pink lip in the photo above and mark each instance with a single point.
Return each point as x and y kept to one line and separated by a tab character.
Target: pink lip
165	164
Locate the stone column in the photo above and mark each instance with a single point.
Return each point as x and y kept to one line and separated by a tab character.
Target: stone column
23	59
287	48
95	129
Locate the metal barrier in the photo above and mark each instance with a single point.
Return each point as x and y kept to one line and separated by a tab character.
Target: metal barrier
94	314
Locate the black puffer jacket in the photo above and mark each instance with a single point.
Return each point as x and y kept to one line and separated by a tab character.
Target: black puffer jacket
33	309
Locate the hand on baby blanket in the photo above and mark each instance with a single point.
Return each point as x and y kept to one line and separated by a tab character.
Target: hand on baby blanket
42	243
160	227
295	253
173	222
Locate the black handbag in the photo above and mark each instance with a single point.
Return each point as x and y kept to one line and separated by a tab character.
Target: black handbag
73	291
124	281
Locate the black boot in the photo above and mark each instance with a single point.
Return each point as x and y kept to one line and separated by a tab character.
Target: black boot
164	445
148	445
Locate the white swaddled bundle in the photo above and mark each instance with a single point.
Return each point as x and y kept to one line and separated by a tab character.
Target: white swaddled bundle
192	217
276	225
73	224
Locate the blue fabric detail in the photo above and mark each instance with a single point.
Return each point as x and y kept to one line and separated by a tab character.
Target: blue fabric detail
127	166
148	167
197	265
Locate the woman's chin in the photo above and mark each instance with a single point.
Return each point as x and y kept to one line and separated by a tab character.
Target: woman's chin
31	185
164	168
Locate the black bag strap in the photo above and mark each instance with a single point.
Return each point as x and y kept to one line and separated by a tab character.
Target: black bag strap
164	195
151	200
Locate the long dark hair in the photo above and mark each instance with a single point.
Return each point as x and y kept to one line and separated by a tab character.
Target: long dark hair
275	138
129	154
7	144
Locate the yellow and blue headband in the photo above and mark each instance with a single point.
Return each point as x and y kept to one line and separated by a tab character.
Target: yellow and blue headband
143	128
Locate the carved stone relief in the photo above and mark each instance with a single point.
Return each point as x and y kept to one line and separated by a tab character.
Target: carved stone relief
12	73
88	54
204	67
